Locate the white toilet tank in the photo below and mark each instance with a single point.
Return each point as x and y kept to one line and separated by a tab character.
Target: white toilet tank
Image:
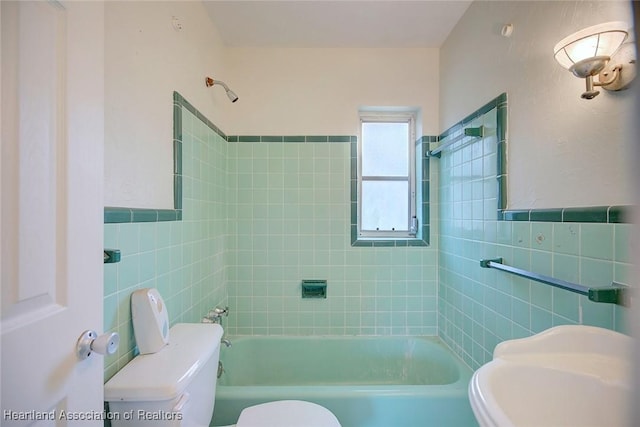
173	387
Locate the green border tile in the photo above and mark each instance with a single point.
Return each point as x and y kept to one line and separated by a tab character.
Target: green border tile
177	157
339	138
144	215
167	215
620	214
272	139
177	191
294	138
117	215
513	215
589	214
502	192
546	215
317	138
248	138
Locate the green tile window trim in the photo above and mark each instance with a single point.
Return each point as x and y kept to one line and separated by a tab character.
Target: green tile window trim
422	148
591	214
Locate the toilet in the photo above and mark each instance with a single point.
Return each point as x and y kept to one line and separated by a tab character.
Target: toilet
175	384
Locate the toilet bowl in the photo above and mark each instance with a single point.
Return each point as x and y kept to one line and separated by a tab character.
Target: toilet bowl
287	413
175	385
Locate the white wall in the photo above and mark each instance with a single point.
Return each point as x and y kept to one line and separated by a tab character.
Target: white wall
146	60
289	91
563	151
282	91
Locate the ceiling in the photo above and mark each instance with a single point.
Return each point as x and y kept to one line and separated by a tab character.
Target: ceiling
332	23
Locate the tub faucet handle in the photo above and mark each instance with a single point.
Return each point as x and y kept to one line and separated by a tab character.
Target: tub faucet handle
219	312
215	315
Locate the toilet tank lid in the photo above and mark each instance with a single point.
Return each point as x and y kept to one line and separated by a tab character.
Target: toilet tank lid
287	413
165	374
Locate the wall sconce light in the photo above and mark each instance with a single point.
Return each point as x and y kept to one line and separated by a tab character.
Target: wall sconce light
599	51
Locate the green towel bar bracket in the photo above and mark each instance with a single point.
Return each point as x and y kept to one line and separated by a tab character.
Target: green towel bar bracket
111	256
477	132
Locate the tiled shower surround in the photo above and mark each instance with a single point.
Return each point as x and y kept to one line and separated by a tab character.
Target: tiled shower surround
257	215
478	307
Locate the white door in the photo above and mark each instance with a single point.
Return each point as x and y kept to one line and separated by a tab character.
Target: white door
51	202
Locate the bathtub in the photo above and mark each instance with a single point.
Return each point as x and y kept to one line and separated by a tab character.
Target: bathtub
364	381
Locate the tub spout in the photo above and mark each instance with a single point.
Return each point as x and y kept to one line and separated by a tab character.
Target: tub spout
226	342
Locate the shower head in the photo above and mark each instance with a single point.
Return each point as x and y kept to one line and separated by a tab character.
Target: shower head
231	94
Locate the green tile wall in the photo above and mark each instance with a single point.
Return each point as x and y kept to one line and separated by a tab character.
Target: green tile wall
291	203
185	260
477	307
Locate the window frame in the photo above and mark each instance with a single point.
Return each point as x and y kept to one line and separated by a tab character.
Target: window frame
408	117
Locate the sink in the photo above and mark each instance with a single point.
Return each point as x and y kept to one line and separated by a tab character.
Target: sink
566	376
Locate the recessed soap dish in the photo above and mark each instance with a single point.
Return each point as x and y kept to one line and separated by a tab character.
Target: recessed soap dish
314	288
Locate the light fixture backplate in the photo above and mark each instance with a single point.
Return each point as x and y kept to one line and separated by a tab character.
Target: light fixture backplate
625	56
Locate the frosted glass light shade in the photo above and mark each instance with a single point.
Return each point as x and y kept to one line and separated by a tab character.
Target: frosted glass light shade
599	41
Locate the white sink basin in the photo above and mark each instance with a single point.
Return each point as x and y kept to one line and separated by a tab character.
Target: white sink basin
565	376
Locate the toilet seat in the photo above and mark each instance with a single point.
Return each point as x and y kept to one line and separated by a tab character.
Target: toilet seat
287	413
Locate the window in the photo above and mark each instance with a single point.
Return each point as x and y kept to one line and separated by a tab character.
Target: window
386	176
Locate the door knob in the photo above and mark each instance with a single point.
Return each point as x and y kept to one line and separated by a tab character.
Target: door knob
90	342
